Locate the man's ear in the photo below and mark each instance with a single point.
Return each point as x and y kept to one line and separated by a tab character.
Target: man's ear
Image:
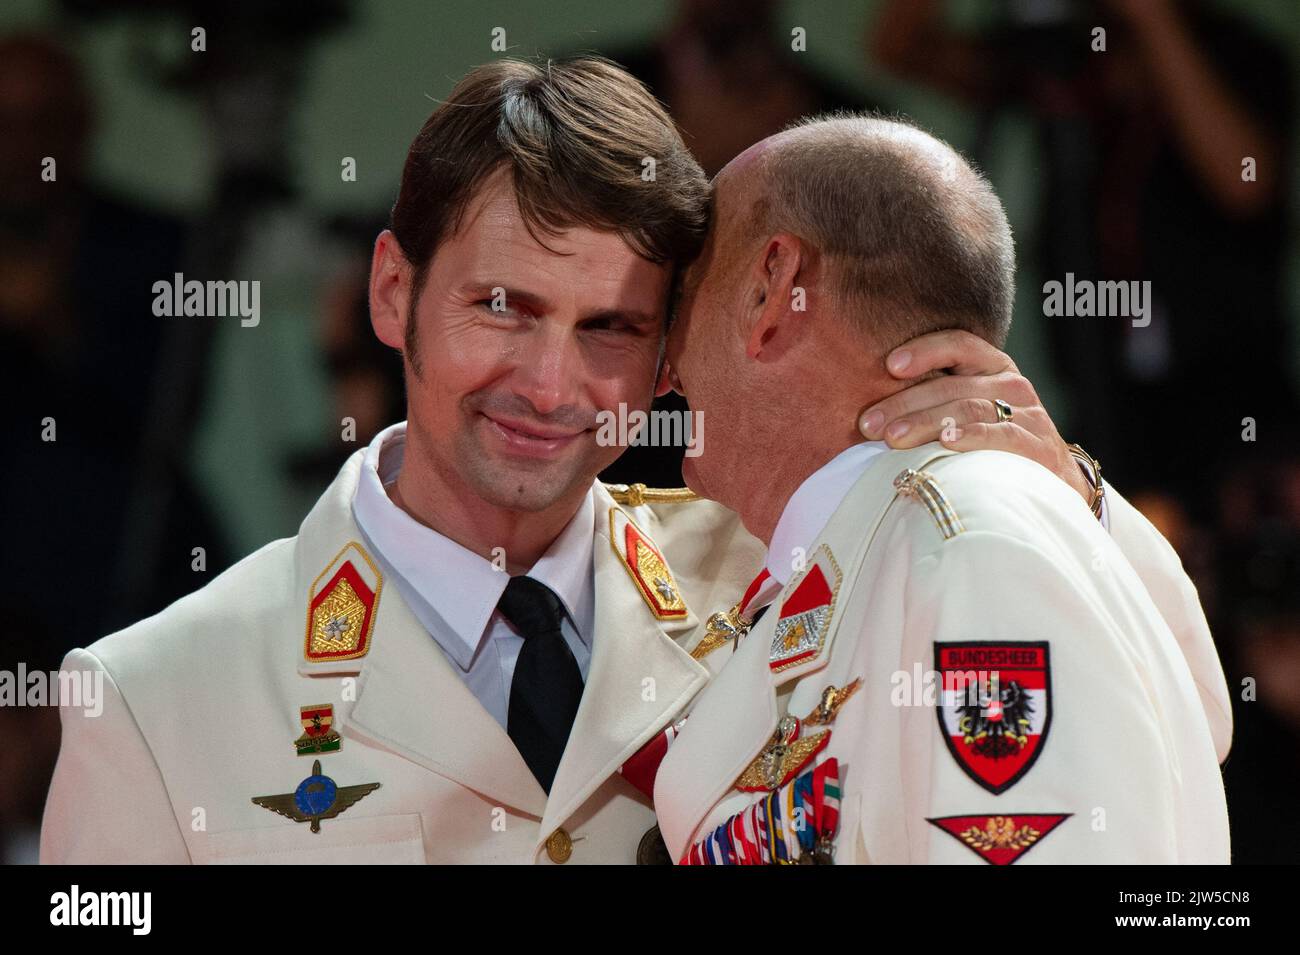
390	291
776	277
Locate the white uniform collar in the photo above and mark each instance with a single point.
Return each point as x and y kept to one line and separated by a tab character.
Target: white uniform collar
441	577
811	506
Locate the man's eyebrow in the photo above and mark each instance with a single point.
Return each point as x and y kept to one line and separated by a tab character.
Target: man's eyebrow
634	316
487	288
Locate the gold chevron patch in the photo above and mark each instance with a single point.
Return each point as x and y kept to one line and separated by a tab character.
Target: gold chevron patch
341	607
647	568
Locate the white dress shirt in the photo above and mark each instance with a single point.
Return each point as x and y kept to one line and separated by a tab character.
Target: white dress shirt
811	506
454	592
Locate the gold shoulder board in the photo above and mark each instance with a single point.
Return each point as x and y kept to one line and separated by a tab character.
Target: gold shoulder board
634	495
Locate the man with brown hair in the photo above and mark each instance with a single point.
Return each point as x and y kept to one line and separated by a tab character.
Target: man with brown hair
467	618
470	636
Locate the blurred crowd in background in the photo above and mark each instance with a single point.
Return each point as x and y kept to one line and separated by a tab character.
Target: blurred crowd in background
177	434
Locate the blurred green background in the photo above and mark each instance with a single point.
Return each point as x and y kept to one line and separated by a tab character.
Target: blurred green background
366	89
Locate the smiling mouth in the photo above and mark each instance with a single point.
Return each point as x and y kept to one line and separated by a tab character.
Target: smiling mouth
530	439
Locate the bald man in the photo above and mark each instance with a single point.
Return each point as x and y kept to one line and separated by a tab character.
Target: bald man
947	659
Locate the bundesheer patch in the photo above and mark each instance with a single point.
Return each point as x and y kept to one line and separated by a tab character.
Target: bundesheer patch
805	617
995	707
1000	840
646	566
341	607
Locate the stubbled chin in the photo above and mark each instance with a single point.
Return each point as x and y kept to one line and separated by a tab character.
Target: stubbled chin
534	484
518	490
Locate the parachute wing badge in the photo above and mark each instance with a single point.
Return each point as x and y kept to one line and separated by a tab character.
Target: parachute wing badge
317	797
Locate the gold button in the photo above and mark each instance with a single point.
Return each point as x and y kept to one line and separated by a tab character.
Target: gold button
559	846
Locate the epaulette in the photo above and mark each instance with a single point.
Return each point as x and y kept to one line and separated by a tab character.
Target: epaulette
922	486
634	495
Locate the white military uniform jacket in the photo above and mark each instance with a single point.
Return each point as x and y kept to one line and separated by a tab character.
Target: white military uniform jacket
203	701
1100	740
203	705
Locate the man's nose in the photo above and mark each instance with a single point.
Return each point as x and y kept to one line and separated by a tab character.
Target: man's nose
548	373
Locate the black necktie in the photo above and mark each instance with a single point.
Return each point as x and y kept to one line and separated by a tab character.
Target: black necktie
547	685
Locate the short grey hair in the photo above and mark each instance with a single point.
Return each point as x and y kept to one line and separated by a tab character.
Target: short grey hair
915	236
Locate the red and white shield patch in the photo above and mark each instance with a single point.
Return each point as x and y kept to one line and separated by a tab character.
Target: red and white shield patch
995	707
806	614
